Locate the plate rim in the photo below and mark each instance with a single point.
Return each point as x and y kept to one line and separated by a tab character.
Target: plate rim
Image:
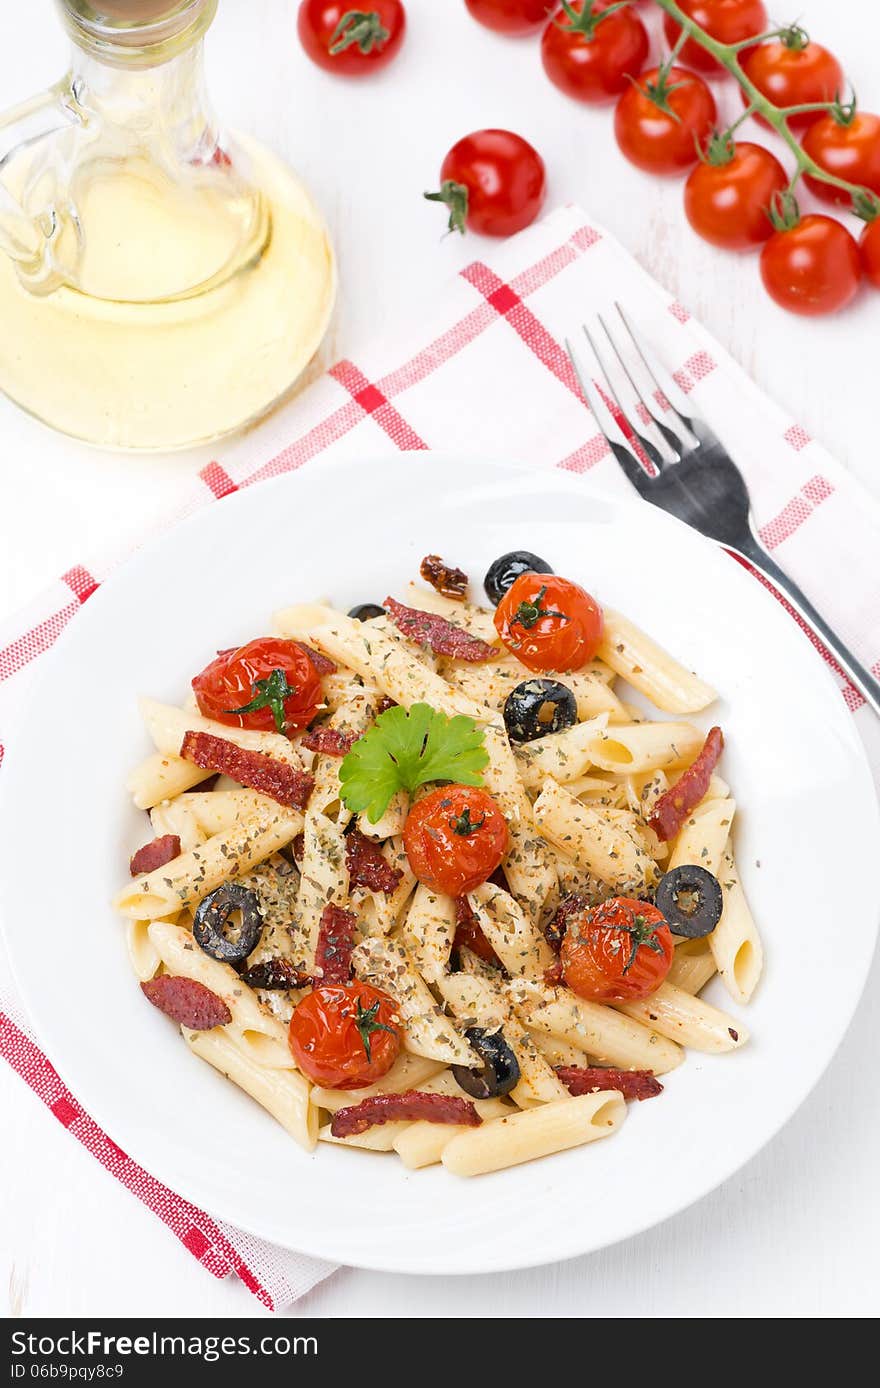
506	1261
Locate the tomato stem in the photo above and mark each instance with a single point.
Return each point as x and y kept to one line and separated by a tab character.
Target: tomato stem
455	197
727	54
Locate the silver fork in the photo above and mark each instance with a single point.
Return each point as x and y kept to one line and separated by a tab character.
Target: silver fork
693	477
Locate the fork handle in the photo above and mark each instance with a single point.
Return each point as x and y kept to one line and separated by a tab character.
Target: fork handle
862	678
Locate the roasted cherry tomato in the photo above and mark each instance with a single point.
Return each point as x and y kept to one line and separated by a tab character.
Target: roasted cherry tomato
345	1036
728	195
270	684
616	952
869	249
662	118
591	54
812	267
848	146
455	838
354	42
793	71
728	21
492	182
549	623
509	16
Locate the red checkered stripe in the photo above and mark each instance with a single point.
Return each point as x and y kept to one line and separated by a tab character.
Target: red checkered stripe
196	1231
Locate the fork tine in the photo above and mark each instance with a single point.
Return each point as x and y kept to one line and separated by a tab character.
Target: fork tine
668	435
608	426
666	386
649	448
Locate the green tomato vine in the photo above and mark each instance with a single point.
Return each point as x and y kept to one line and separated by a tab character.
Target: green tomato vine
865	203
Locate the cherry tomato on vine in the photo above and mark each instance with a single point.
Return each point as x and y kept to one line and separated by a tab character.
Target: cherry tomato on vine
493	182
729	194
793	71
351	42
509	16
662	117
268	684
848	146
549	623
811	267
869	248
616	952
455	838
590	52
728	21
345	1035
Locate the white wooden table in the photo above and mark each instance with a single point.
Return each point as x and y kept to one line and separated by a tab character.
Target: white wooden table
793	1235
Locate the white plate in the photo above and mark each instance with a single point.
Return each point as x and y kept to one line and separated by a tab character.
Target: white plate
354	531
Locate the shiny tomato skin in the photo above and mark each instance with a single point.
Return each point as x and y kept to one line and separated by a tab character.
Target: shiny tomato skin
598	945
326	1044
813	268
848	151
229	682
793	77
728	21
869	249
455	837
317	21
505	179
728	204
656	141
598	68
550	642
509	16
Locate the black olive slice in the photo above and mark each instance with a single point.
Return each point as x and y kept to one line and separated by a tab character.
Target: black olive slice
365	610
504	571
213	917
691	901
500	1069
538	707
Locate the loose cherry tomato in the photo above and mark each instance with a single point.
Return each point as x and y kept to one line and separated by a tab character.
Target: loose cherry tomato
493	182
352	42
728	196
869	248
662	117
509	16
616	952
793	71
848	148
345	1035
812	267
591	54
728	21
270	684
455	838
549	623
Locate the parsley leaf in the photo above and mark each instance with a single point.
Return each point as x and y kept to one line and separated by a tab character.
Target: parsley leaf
404	750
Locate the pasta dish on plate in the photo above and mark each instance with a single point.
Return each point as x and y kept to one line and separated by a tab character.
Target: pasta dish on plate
423	879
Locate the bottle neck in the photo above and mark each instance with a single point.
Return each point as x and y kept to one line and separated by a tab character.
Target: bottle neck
136	33
166	105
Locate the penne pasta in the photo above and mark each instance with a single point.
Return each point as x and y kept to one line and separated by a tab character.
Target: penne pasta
428	931
687	1020
256	1033
650	669
580	831
518	943
283	1093
538	1132
735	943
186	879
600	1031
426	1031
